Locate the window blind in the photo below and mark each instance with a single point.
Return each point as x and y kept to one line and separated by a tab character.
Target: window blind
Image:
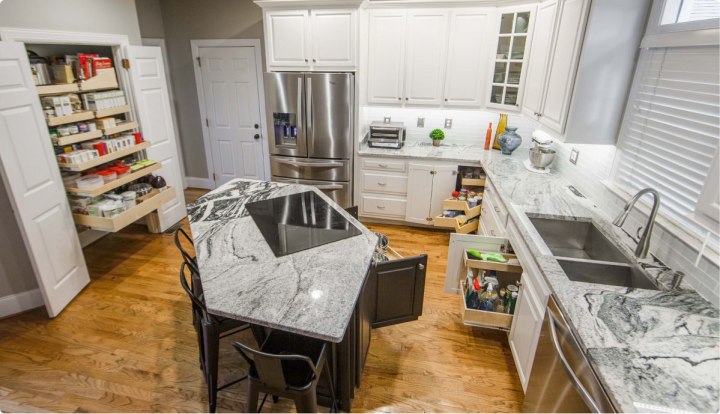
671	128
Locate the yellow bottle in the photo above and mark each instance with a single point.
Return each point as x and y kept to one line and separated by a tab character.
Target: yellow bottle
500	129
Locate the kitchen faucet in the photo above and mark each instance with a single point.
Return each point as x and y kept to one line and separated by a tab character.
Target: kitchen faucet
641	250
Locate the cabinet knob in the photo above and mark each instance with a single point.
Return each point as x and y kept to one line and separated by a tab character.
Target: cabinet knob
454	173
445	99
306	61
399	99
407	99
314	60
257	136
257	126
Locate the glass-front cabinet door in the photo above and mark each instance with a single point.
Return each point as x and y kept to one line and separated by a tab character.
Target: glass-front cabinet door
509	61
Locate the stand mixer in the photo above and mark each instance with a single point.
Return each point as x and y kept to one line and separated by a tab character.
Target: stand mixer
540	155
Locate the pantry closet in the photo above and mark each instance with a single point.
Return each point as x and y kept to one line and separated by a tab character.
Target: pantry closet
73	153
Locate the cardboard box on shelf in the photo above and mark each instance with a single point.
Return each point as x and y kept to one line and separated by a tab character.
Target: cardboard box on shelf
62	73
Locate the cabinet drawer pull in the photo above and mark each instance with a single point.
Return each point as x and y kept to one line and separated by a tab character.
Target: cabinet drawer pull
497	210
382	184
492	232
382	165
380	207
420	266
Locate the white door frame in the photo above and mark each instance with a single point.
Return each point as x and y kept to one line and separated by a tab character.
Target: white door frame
159	42
255	43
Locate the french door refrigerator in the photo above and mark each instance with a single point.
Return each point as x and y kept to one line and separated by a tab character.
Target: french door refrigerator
311	138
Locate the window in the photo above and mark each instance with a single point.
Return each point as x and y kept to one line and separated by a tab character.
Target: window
671	131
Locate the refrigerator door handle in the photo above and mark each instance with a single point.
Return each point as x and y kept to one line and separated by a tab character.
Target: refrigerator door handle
309	120
300	102
327	164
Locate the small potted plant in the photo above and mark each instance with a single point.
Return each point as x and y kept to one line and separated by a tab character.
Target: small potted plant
437	135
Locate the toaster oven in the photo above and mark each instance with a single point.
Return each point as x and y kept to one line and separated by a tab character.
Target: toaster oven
387	135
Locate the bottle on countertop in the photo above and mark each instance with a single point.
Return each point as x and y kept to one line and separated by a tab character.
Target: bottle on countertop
488	136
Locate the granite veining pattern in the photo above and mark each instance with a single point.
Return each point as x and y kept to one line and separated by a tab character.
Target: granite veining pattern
652	350
312	292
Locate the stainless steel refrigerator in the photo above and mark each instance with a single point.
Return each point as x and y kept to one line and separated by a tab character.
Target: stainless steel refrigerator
311	133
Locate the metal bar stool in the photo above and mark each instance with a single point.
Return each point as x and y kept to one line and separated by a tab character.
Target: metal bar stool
209	328
289	366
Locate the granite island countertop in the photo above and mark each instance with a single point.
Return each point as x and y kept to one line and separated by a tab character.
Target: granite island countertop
312	292
652	350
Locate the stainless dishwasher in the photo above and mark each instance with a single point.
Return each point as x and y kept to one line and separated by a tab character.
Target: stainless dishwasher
562	379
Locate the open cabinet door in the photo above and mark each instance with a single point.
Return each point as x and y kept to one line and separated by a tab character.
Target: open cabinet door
152	104
400	289
34	187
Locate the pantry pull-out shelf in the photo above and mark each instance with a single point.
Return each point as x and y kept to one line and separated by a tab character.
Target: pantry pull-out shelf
150	203
101	113
104	79
75	138
94	162
69	119
464	206
473	182
122	127
57	89
116	183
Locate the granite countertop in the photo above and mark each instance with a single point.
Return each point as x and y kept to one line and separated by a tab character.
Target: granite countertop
652	350
312	292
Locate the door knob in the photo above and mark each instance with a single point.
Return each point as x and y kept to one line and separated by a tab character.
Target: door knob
257	126
257	136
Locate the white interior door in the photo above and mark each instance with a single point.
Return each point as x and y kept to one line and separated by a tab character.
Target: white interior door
33	182
152	104
232	107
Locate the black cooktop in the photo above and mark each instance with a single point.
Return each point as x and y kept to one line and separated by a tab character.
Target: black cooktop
299	222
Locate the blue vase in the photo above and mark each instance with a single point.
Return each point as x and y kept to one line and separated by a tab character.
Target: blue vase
509	140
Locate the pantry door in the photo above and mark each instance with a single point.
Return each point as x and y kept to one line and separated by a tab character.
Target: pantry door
152	104
34	186
230	96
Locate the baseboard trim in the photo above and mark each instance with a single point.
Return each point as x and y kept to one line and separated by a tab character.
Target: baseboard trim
197	182
20	302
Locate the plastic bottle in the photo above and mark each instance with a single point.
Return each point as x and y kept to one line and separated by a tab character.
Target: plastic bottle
488	136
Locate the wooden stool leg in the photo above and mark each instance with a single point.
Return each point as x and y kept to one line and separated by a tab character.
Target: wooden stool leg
252	397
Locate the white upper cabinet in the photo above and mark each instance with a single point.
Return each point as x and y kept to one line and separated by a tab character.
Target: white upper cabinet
538	60
563	63
311	40
386	36
333	38
286	38
553	62
425	58
467	57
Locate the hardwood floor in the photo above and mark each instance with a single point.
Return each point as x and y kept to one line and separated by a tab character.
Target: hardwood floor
126	344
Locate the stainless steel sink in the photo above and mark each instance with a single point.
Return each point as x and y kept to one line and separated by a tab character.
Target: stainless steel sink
577	239
587	255
616	274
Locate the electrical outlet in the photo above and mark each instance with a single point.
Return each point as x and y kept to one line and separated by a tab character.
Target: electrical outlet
448	123
574	156
421	123
386	120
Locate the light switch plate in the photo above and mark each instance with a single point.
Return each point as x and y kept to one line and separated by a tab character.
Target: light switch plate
386	120
574	156
421	123
448	123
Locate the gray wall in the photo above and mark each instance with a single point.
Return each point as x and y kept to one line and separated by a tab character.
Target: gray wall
98	16
16	272
186	20
149	16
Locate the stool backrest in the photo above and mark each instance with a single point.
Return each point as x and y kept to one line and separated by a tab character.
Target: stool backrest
269	366
198	303
190	261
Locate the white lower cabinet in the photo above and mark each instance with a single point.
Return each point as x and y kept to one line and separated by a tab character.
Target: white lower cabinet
525	330
383	188
382	206
428	185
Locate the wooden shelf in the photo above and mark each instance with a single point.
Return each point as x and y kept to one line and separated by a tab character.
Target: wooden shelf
150	203
75	138
512	265
470	212
105	79
69	119
112	111
474	182
116	183
459	223
481	318
105	158
57	89
125	126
